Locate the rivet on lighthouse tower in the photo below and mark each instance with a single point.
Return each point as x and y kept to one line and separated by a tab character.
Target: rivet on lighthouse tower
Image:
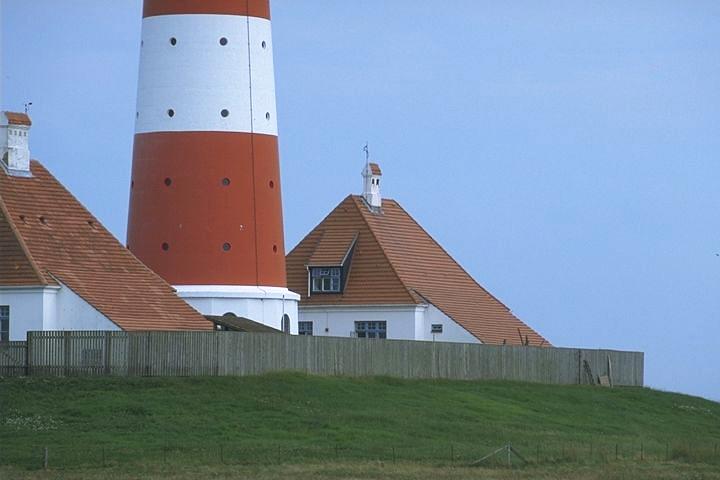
205	203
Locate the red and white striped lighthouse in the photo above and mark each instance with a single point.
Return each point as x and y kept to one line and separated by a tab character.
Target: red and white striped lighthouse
205	203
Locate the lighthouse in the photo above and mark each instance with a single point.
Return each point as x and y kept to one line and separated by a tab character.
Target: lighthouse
205	202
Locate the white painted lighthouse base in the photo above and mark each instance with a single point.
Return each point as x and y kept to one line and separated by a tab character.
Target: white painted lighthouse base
266	305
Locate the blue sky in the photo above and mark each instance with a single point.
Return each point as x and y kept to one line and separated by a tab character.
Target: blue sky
565	153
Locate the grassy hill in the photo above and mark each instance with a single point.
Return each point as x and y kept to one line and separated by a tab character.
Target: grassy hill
290	420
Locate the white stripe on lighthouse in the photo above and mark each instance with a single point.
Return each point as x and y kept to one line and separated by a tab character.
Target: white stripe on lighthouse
188	85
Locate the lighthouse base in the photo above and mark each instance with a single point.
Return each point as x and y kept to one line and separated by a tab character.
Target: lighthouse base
266	305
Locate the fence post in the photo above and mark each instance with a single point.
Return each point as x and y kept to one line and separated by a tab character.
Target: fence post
393	452
452	454
616	451
46	459
642	452
537	454
66	353
107	353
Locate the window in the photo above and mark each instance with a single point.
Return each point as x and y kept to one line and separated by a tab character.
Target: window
4	323
286	323
436	328
305	328
371	329
325	280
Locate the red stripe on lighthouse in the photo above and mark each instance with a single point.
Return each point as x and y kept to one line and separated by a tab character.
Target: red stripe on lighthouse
250	8
200	222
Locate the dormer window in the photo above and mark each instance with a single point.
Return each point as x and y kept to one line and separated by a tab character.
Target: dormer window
325	280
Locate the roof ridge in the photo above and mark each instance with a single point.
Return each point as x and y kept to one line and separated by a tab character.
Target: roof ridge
21	241
382	248
464	271
450	256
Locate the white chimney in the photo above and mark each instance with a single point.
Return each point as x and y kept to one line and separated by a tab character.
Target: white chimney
371	185
14	145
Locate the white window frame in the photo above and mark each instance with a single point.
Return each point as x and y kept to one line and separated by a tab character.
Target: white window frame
325	279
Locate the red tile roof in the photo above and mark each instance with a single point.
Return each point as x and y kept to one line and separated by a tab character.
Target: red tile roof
333	248
47	237
395	261
18	118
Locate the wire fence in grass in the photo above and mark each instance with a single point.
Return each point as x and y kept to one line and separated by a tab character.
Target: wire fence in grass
72	456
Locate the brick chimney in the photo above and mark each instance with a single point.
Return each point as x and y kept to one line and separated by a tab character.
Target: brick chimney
14	145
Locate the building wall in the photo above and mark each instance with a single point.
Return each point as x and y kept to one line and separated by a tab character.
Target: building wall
452	331
50	308
265	305
72	312
404	322
26	309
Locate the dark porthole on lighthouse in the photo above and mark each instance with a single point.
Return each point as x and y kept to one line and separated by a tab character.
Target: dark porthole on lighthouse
225	112
272	184
173	41
274	248
168	181
267	116
171	112
223	41
227	247
225	182
165	246
264	45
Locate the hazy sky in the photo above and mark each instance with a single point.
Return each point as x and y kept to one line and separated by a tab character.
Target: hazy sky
565	153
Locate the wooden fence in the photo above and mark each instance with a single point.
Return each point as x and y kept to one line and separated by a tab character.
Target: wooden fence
235	353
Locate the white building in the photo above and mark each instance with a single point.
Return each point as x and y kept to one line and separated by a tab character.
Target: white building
369	270
60	269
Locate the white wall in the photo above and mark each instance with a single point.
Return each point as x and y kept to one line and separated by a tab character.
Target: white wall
265	305
340	321
26	309
72	312
50	308
404	322
452	331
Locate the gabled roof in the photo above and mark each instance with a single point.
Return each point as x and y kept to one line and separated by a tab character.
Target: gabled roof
395	261
48	238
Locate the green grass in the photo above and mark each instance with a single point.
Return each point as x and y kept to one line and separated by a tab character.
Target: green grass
286	420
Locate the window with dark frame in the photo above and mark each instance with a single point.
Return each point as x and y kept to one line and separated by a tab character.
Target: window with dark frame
286	323
325	280
305	328
371	329
4	323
